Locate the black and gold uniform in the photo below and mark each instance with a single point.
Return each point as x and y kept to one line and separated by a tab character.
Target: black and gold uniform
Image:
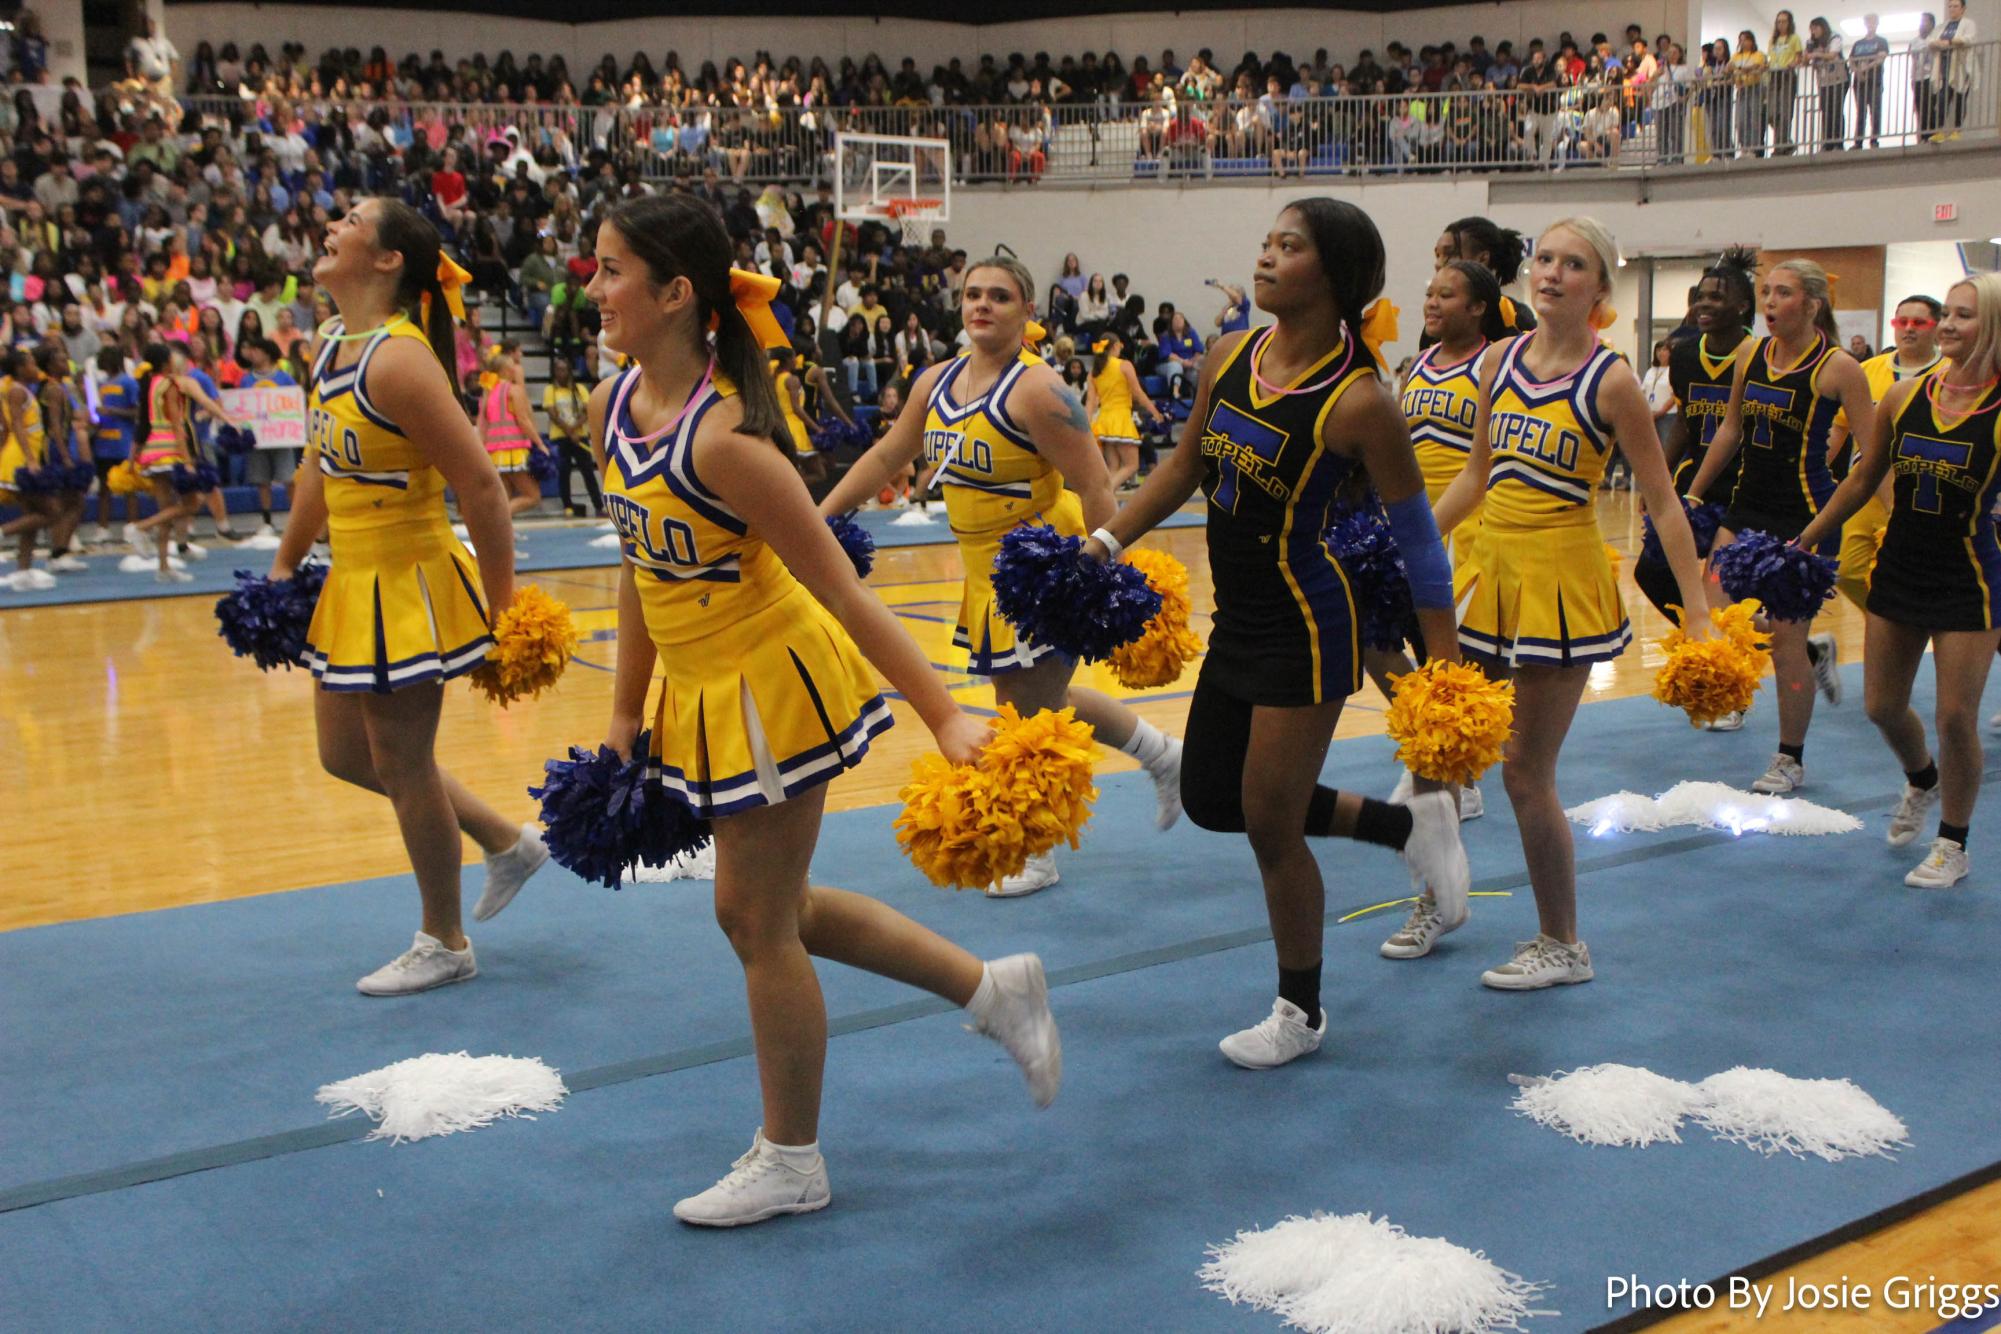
1940	566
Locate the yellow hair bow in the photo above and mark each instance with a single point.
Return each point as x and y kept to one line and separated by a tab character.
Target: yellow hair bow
143	368
1032	334
1101	345
1603	316
1379	326
451	281
752	293
1508	313
1833	281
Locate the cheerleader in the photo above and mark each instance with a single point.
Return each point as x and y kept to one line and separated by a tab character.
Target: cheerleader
25	445
404	609
770	644
1005	436
507	428
1283	415
1784	394
1915	353
68	446
1937	579
1441	396
792	406
1113	389
167	443
1496	248
1537	597
1700	370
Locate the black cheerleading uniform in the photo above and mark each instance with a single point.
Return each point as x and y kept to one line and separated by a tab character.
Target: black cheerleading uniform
1285	629
1783	478
1701	385
1940	566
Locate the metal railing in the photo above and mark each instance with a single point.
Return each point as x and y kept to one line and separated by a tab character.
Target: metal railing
1691	118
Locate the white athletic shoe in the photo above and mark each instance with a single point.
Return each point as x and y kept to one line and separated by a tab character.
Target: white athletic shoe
1944	868
1166	775
1406	784
1994	723
1420	931
1909	817
265	530
142	543
508	871
100	535
1279	1037
193	550
1039	874
173	576
32	581
1786	775
1471	804
67	565
1436	857
1827	666
760	1185
1012	1008
426	964
1732	721
1542	962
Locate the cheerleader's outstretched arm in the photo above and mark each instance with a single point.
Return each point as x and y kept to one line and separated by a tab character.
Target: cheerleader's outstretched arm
1469	488
1623	404
1871	467
1729	437
305	520
888	457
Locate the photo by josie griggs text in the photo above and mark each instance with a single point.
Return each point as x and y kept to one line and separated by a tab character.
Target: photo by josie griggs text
1943	1298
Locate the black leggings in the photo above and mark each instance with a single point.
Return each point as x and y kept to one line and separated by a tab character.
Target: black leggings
571	455
1213	752
1656	579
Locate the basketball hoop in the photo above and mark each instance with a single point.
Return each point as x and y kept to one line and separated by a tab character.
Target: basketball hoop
914	214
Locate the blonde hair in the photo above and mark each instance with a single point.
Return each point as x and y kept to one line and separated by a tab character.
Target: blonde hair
1985	359
1813	281
1065	348
1014	269
1593	233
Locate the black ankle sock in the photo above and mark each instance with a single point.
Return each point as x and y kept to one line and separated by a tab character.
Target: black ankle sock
1797	754
1955	832
1925	778
1301	987
1380	823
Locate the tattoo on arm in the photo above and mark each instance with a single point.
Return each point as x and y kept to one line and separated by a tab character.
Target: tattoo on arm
1068	397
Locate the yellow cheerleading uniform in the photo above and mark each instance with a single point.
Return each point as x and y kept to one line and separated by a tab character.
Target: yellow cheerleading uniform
1115	423
766	696
802	439
1862	535
402	602
27	444
994	481
1537	588
1439	404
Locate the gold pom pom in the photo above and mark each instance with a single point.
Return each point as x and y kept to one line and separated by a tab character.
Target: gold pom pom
534	640
1613	555
968	826
1449	721
125	480
1160	655
1718	675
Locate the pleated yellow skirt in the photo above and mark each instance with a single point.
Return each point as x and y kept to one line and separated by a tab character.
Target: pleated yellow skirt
509	460
1116	426
989	640
401	606
1542	597
763	709
12	459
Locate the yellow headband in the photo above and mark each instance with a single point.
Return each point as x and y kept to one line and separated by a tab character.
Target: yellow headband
1379	326
752	293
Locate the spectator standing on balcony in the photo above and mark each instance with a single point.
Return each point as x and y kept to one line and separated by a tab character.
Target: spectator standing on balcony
1924	75
1538	83
153	59
1784	57
1955	71
1865	64
1830	69
1748	68
1670	103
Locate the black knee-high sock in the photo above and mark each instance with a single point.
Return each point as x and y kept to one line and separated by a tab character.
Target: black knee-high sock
1301	987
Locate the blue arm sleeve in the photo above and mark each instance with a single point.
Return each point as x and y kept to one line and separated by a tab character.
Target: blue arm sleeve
1416	534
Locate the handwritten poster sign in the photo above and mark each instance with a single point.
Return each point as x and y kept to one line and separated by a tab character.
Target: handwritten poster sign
276	413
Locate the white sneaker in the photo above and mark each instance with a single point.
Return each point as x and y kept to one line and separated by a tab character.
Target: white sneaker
1166	775
1994	723
265	530
506	872
100	535
1406	784
193	550
1471	804
1279	1037
33	581
1944	868
426	964
760	1185
1039	874
1436	857
139	541
173	577
1786	775
1909	817
1827	666
1420	931
1542	962
1012	1008
1732	721
67	565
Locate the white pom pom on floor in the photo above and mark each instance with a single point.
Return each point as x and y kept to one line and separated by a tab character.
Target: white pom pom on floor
1829	1118
1710	806
436	1094
1623	1105
912	519
609	540
1361	1275
697	865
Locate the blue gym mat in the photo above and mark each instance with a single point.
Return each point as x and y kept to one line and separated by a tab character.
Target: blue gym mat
166	1167
549	547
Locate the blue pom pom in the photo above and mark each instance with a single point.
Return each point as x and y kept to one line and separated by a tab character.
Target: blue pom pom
603	815
195	481
1703	521
854	540
832	433
45	481
266	620
1789	580
1052	595
235	440
542	465
1360	539
81	475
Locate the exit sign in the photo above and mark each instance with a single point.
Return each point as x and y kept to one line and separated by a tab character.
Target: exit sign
1945	212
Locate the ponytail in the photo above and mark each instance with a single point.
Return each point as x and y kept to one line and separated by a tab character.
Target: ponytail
439	328
742	358
1484	287
155	356
420	295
